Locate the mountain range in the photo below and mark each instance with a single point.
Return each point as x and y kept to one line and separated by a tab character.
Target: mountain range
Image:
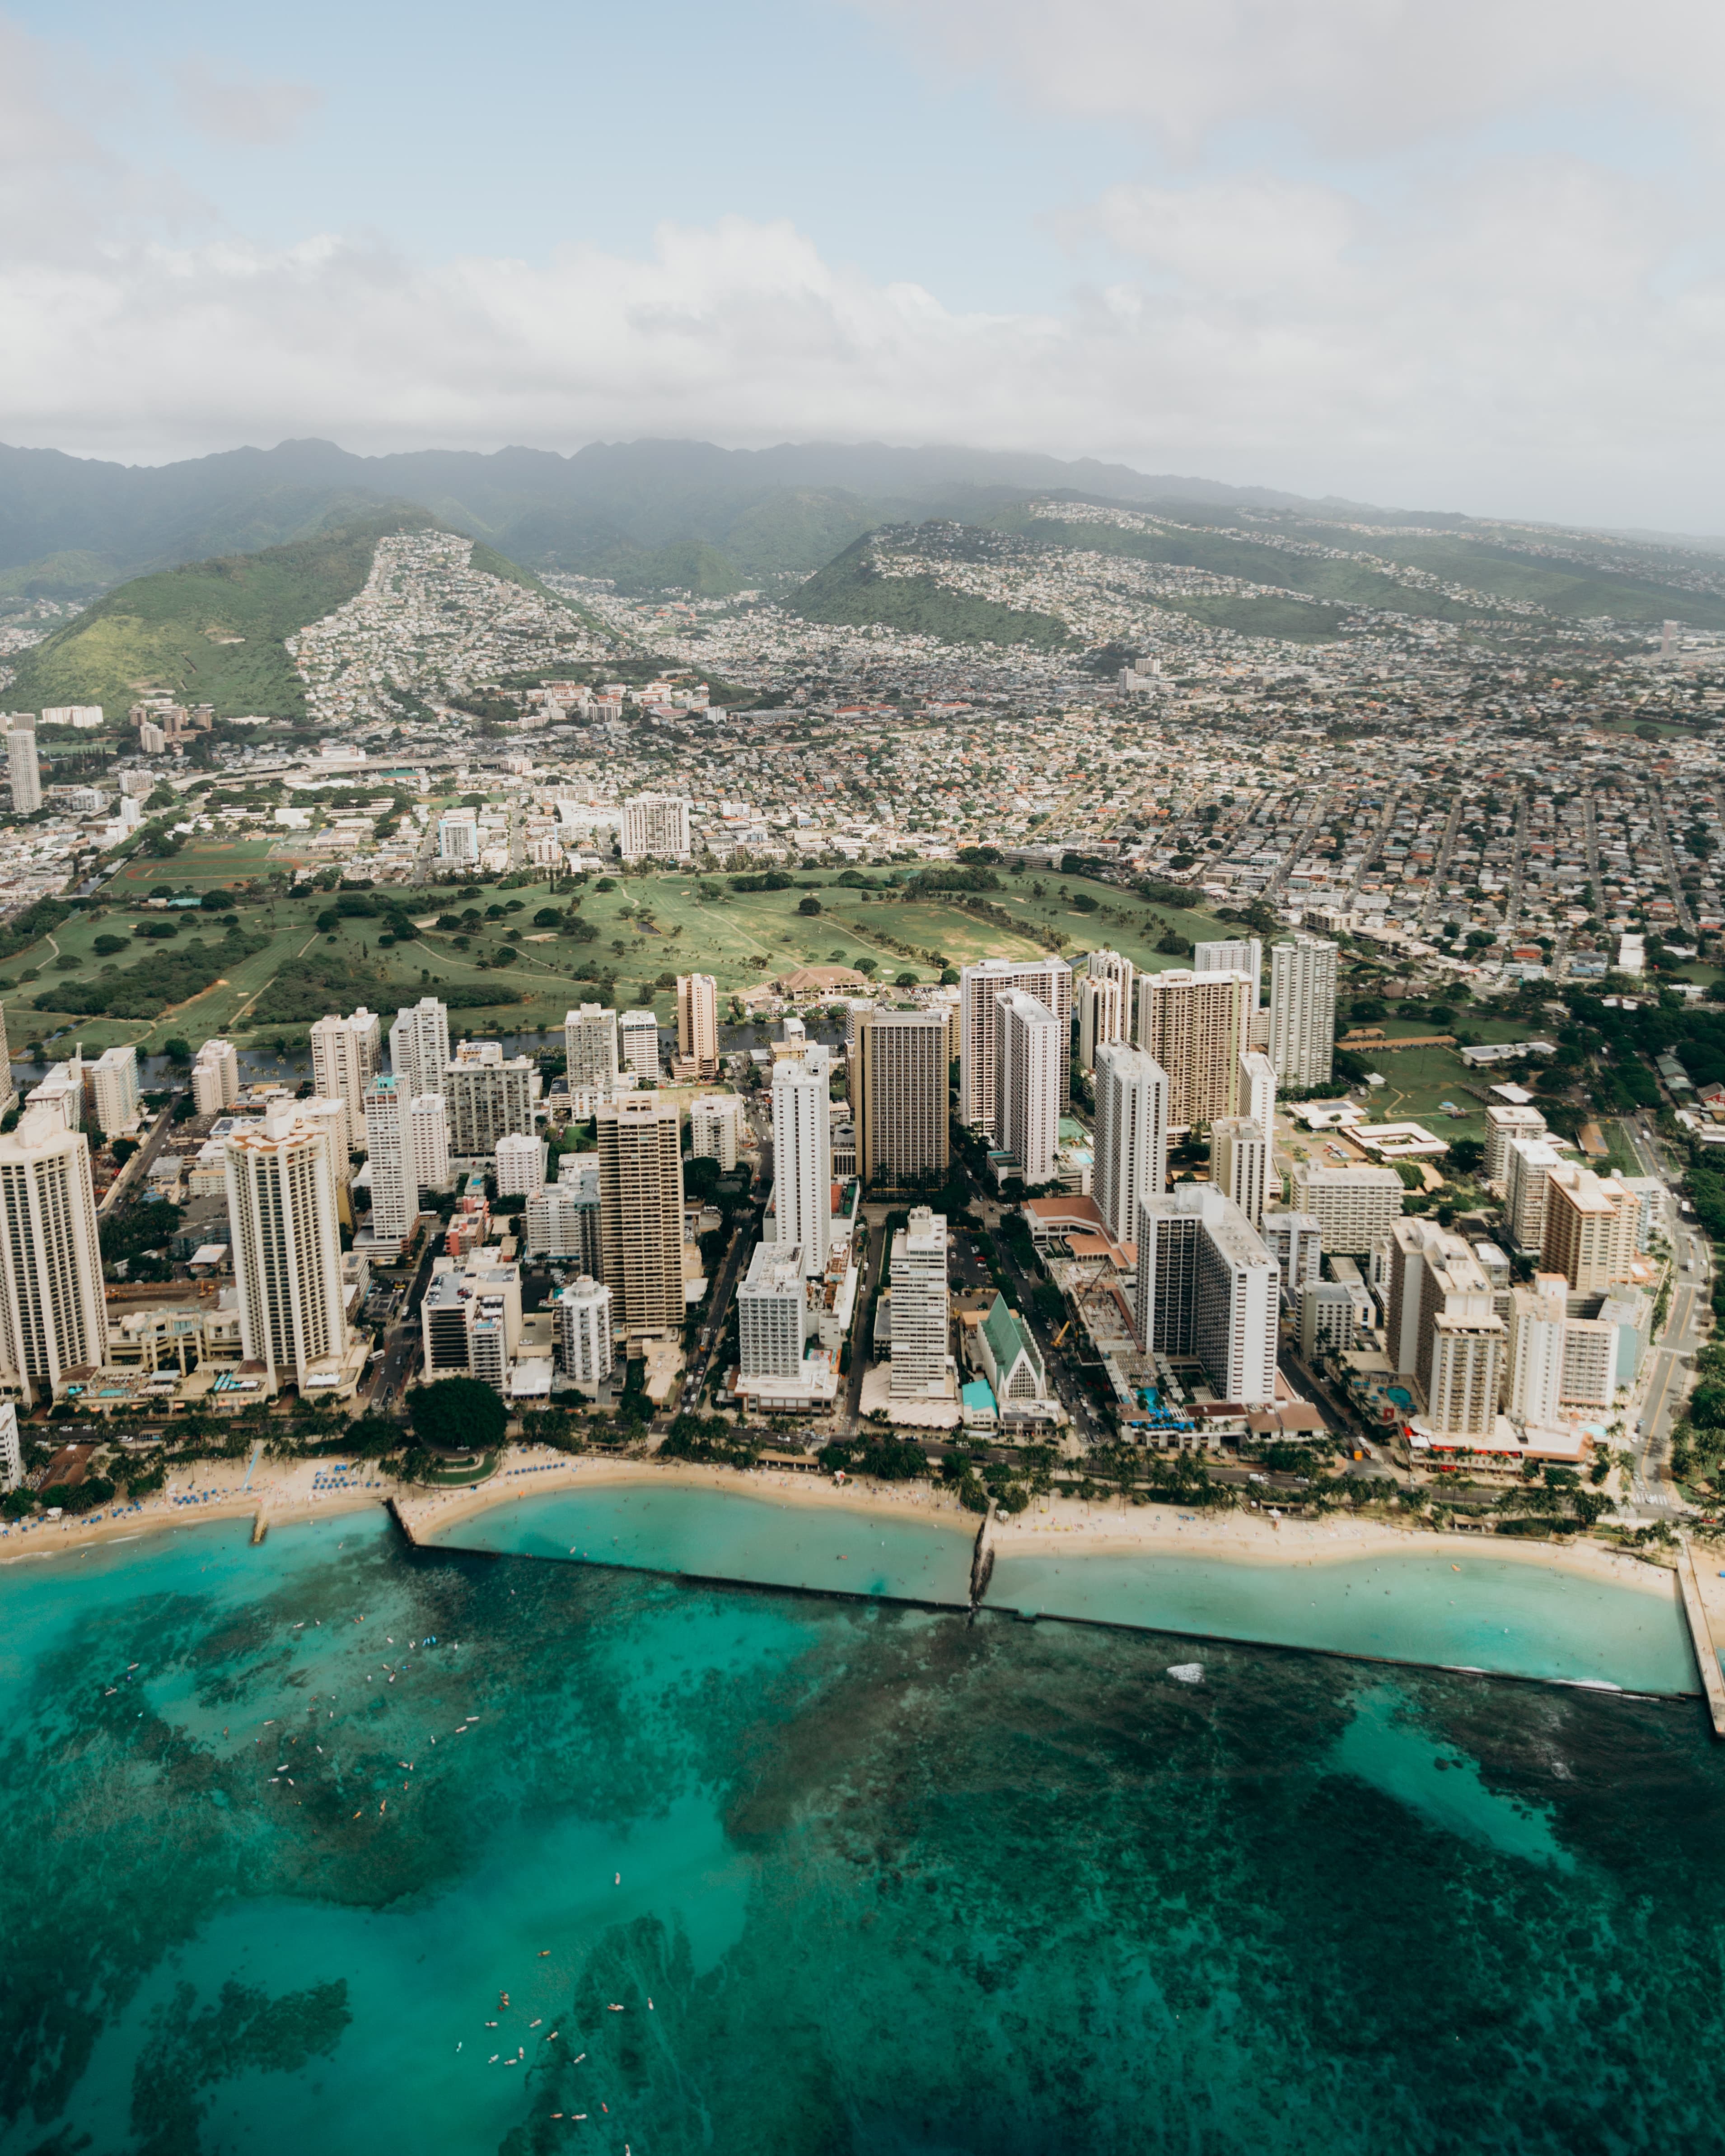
647	514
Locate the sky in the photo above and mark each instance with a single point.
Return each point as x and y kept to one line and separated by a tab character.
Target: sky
1460	257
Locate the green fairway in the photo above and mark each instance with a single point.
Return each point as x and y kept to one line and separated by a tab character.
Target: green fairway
648	929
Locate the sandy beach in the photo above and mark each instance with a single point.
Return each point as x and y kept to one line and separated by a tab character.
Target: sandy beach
284	1491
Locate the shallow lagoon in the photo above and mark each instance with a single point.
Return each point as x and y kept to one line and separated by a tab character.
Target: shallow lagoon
726	1534
892	1881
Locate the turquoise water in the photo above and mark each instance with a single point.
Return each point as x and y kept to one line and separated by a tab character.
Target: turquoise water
859	1877
1469	1612
723	1534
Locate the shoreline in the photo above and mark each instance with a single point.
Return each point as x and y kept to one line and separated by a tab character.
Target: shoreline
286	1497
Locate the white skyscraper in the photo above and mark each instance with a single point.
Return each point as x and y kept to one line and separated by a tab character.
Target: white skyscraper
1132	1135
215	1077
1032	1047
489	1095
52	1304
1049	980
114	1079
23	771
458	836
1208	1287
637	1039
803	1156
394	1165
1257	1092
1239	1164
715	1129
428	1115
1302	1010
590	1046
344	1058
1244	955
655	825
287	1248
584	1331
920	1319
11	1450
1539	1322
521	1165
419	1047
773	1313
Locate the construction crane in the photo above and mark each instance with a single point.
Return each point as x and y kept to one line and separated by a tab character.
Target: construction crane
1061	1334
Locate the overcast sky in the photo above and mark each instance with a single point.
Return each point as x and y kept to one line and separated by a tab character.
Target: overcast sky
1460	257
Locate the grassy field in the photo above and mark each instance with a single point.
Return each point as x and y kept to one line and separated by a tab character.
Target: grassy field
212	865
743	939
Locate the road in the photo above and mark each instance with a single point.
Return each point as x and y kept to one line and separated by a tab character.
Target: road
1594	879
1297	848
1440	865
875	1258
132	1177
1374	844
1667	854
1512	897
401	1340
742	1240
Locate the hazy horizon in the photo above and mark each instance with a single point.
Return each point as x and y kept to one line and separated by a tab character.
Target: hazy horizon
1463	262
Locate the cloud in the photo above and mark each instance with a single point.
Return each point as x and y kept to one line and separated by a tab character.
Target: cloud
229	105
1354	75
1533	335
1510	347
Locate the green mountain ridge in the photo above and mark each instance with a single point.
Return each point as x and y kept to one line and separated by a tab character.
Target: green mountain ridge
214	632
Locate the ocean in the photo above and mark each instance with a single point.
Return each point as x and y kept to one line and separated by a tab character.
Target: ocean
336	1843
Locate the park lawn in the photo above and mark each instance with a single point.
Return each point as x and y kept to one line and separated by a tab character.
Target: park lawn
1417	1079
203	864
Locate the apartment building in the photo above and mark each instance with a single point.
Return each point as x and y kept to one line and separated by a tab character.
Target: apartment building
898	1096
53	1305
287	1250
1353	1206
1591	1229
773	1315
921	1360
803	1156
641	1214
1131	1160
582	1318
698	1022
344	1060
419	1047
1302	1010
715	1129
1239	1164
215	1078
1197	1027
1049	980
590	1046
655	826
1033	1059
1208	1288
489	1095
637	1042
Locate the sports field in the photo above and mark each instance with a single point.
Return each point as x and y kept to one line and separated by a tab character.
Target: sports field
212	862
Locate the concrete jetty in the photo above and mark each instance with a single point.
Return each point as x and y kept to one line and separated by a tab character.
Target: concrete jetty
1701	1638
